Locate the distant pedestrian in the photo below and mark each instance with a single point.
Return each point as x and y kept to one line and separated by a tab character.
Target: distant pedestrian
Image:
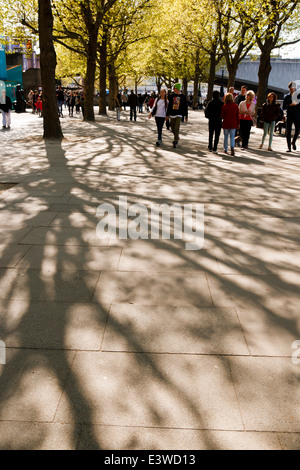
124	99
293	117
6	107
132	103
60	100
270	112
30	100
77	102
140	102
159	110
118	106
247	112
71	103
39	105
213	114
231	121
177	111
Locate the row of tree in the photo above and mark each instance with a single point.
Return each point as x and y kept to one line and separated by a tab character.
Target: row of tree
106	41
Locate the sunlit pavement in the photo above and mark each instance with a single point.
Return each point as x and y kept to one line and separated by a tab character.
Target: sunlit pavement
141	344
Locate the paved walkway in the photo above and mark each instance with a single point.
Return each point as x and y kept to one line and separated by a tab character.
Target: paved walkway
123	344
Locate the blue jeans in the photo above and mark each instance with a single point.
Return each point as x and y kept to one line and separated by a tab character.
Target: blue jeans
160	124
268	127
231	133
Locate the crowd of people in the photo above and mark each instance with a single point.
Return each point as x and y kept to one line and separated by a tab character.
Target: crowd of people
235	114
66	99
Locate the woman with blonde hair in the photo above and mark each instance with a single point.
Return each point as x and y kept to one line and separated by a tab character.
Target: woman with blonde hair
231	121
247	111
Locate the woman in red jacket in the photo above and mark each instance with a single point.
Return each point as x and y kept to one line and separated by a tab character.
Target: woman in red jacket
231	121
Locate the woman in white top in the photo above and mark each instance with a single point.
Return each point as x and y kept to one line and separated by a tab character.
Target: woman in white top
159	111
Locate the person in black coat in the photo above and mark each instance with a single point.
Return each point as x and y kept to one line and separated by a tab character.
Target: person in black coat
293	117
213	114
133	103
6	107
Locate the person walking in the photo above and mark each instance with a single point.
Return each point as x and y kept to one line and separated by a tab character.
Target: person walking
177	111
231	121
213	114
124	99
269	114
247	111
132	103
60	101
5	107
71	103
141	102
118	105
159	110
292	117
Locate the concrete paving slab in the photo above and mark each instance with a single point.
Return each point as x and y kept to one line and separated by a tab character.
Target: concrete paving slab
289	441
263	403
80	220
118	438
14	218
71	236
163	256
275	294
185	330
31	384
71	257
157	390
36	284
52	325
16	435
269	333
144	288
12	235
10	255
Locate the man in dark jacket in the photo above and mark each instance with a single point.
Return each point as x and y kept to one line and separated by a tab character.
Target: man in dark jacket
177	111
293	117
133	103
213	114
5	106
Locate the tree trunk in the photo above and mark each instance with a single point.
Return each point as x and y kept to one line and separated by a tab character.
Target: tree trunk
263	76
232	69
89	82
185	86
212	76
113	86
52	128
196	81
103	75
158	84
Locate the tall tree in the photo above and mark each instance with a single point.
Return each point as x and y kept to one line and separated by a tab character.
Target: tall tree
52	128
236	33
275	22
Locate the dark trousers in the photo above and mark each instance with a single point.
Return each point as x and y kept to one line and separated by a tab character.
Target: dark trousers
245	129
159	124
132	113
214	134
289	125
